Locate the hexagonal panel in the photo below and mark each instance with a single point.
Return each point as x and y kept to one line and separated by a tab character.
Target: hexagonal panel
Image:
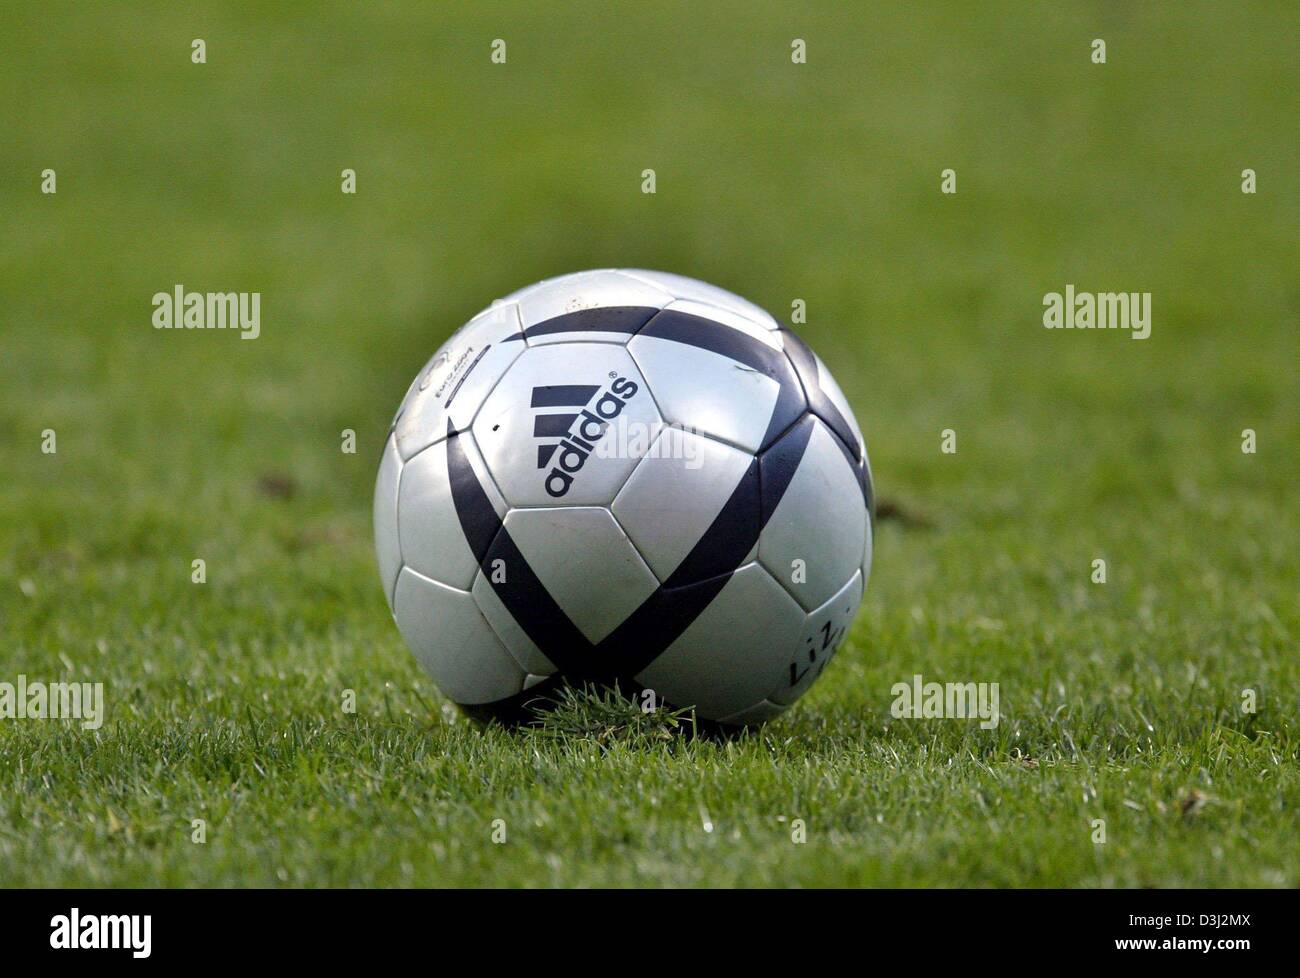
431	530
672	501
688	288
453	642
711	378
567	425
387	548
601	306
448	392
813	513
734	652
823	633
585	562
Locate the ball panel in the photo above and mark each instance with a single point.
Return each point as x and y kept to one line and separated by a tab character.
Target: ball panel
734	652
707	392
453	642
677	492
717	375
585	562
567	425
453	385
432	533
616	325
732	320
586	292
387	548
688	288
812	539
508	630
823	633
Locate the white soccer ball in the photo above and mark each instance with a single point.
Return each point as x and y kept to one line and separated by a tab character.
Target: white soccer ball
629	477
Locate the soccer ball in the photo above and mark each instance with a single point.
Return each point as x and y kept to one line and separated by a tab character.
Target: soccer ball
624	477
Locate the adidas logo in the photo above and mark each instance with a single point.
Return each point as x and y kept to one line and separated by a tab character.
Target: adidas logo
575	432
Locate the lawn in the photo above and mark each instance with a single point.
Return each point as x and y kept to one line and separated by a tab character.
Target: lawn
226	700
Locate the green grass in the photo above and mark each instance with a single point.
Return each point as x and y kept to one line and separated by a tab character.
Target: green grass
1120	701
